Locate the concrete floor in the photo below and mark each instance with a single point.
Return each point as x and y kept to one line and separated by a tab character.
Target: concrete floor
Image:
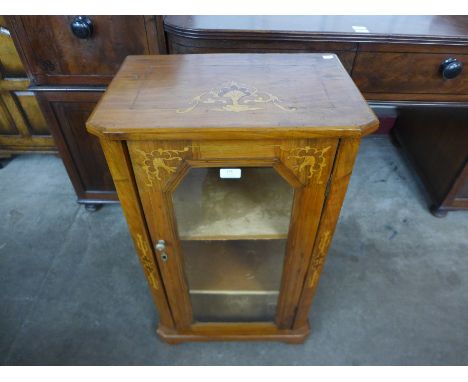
394	290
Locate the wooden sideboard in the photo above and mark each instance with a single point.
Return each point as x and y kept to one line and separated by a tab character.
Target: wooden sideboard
398	63
394	60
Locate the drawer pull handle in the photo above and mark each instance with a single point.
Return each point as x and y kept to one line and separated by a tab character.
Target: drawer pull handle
451	68
161	248
82	27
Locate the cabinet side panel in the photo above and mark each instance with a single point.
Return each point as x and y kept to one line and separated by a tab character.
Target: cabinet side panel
311	161
339	182
119	164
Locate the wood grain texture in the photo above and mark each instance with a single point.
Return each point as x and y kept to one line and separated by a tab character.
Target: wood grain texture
56	56
179	45
410	73
305	217
234	332
340	176
119	164
22	125
66	113
153	188
23	128
249	93
155	34
393	29
396	59
439	155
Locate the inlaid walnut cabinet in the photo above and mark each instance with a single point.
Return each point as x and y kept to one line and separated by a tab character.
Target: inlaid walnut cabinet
231	170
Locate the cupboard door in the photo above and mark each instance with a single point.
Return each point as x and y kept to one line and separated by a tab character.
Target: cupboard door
22	125
66	113
233	223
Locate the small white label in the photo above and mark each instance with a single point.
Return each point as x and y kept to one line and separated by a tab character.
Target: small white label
360	29
327	56
230	173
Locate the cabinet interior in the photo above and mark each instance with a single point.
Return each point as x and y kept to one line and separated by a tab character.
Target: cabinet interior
233	239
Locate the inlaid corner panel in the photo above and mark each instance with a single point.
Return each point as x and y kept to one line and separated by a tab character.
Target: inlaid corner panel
160	165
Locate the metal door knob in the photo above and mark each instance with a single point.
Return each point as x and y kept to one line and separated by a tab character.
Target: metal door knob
161	248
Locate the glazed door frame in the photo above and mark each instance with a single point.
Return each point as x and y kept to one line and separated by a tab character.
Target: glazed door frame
159	167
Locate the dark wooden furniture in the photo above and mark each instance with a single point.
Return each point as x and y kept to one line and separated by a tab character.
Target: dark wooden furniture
394	60
398	63
436	142
22	125
231	170
70	60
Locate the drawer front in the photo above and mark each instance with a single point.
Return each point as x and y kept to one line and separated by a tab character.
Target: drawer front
408	73
58	56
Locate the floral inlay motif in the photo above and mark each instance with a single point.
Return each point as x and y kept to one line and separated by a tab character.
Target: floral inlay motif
319	259
160	160
310	161
147	263
234	97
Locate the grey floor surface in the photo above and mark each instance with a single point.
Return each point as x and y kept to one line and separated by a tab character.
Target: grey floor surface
394	290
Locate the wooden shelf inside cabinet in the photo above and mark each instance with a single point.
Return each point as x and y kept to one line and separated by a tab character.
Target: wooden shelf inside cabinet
234	258
239	266
255	206
245	278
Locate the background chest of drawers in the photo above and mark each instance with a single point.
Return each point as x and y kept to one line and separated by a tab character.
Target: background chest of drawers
70	60
396	61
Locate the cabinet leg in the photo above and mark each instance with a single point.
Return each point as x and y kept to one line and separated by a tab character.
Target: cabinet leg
437	212
93	207
394	140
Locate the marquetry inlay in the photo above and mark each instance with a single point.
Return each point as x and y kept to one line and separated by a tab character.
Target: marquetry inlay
309	161
156	161
235	97
147	263
319	257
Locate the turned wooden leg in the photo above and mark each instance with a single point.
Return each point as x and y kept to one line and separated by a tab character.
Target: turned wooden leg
93	207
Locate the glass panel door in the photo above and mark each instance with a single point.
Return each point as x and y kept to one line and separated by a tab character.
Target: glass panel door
233	235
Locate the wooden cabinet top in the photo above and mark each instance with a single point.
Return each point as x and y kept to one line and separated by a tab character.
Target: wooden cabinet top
243	95
439	29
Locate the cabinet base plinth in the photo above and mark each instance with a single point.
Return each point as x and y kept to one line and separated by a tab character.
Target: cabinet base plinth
234	332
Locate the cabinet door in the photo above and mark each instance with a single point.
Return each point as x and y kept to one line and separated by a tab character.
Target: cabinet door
233	223
22	126
67	113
